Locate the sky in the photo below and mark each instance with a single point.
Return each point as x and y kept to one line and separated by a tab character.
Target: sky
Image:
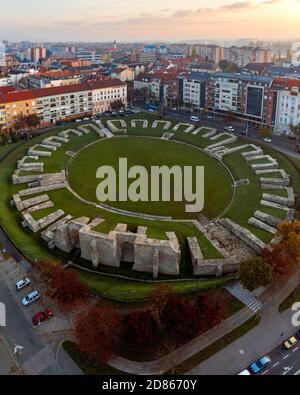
136	20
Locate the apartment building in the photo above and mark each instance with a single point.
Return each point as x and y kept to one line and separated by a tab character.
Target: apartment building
287	92
105	92
60	103
244	55
243	97
192	90
213	53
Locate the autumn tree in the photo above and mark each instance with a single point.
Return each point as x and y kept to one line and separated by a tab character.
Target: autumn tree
33	121
256	273
117	105
264	132
179	319
139	330
157	301
97	333
211	310
279	260
62	285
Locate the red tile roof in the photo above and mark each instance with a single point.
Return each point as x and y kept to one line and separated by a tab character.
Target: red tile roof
286	83
11	97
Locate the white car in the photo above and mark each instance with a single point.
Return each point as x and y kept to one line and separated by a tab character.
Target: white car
78	120
195	119
244	373
31	298
267	140
230	128
22	283
86	119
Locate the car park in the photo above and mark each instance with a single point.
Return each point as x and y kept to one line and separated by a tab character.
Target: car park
42	316
31	298
290	343
260	364
22	283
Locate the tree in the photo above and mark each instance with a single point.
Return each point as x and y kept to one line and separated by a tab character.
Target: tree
211	310
179	319
223	64
279	260
264	132
231	68
117	105
97	333
256	273
33	121
62	285
295	129
139	330
157	300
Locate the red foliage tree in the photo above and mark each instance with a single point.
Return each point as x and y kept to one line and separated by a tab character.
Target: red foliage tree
179	318
139	329
62	285
279	259
211	310
97	333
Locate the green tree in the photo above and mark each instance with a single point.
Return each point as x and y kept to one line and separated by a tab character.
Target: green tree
264	132
295	130
256	273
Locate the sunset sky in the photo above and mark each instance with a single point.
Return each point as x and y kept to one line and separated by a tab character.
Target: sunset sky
135	20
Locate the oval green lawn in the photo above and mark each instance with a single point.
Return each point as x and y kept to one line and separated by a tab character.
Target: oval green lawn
149	152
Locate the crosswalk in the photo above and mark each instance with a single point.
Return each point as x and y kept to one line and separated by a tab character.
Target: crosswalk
255	305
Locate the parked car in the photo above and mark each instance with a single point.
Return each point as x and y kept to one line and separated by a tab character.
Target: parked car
290	343
42	316
244	373
22	283
260	365
78	120
230	128
268	140
114	114
86	119
193	118
31	298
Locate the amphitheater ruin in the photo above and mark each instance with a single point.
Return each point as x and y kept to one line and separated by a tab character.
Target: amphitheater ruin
60	230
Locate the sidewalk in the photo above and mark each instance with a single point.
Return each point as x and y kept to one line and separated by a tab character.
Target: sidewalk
266	336
7	366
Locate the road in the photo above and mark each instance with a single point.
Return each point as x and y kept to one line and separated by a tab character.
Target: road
280	143
35	357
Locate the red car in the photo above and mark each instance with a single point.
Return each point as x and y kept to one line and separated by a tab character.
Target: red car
42	316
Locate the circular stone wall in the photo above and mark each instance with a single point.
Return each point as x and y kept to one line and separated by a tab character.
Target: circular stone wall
149	152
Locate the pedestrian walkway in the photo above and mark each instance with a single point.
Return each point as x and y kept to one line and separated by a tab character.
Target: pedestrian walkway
244	296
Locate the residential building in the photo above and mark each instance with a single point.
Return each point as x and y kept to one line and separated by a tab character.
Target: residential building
213	53
2	54
245	98
61	103
35	54
105	92
123	73
192	90
287	92
241	56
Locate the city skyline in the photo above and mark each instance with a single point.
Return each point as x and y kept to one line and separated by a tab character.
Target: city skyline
167	20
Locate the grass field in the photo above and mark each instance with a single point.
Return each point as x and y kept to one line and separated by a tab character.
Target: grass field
151	152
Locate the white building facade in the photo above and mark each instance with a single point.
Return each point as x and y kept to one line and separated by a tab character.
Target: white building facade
288	109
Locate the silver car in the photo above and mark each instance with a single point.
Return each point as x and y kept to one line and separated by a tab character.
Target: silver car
22	283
